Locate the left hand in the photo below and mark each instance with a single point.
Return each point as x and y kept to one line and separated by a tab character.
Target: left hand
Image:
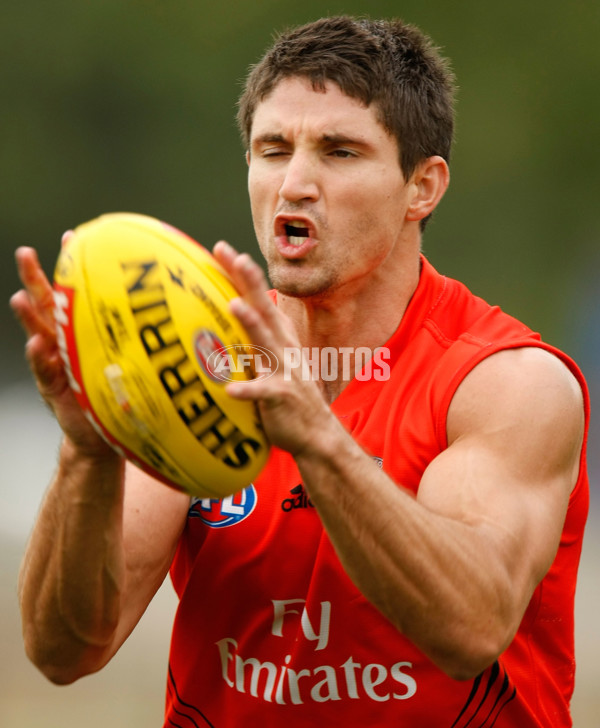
293	409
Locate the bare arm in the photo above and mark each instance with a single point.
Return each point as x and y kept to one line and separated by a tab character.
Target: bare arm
454	568
99	549
94	561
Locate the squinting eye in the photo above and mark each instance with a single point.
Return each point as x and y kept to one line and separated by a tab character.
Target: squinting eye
273	152
342	153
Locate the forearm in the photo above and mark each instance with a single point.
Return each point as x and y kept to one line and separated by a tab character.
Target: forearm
72	574
432	576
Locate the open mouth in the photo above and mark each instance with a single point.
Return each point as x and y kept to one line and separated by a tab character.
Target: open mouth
296	232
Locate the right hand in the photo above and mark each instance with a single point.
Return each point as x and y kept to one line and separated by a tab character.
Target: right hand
34	308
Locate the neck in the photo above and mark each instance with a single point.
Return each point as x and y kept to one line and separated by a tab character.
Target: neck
350	317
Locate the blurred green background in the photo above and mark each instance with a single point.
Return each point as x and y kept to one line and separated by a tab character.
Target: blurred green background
113	105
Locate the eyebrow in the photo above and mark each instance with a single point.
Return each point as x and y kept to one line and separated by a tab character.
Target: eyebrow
342	139
269	137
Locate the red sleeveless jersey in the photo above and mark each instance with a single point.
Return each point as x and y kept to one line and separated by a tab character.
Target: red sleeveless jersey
270	632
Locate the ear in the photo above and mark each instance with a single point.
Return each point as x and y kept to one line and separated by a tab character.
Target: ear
430	180
248	157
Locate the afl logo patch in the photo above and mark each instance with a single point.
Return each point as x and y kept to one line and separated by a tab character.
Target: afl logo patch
222	512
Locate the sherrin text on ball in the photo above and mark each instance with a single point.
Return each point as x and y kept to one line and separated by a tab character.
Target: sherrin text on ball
141	315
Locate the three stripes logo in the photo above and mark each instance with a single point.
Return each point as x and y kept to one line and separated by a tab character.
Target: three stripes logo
492	691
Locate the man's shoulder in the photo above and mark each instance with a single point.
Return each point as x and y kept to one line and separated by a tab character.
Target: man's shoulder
458	312
479	348
533	374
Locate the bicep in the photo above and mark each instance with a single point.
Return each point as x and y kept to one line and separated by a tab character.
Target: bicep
515	428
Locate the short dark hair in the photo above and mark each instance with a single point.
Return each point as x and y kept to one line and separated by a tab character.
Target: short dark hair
384	62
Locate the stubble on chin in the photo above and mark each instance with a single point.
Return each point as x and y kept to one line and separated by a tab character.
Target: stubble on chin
295	280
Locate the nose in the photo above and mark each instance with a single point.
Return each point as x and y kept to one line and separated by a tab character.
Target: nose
301	179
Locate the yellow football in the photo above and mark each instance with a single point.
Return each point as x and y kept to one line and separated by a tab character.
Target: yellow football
142	316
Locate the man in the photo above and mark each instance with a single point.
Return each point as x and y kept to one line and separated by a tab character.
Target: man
412	553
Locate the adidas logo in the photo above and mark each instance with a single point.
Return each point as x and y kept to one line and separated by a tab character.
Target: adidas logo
299	499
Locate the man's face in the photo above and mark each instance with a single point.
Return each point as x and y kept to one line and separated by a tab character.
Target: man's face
327	193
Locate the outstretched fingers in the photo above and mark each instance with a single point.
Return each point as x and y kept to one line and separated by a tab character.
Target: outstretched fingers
34	305
255	308
247	276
